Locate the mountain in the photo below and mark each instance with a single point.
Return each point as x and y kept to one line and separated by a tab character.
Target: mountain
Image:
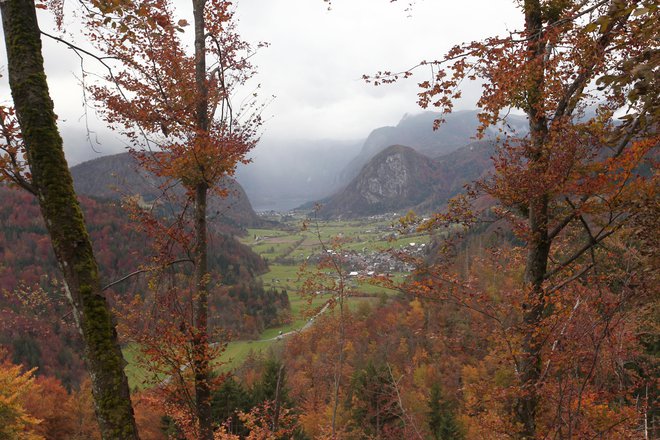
393	179
400	178
116	176
416	131
457	169
287	174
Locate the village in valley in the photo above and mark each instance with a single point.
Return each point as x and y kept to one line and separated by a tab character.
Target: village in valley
376	246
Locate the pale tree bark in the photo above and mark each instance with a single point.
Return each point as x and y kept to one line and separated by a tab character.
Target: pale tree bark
64	220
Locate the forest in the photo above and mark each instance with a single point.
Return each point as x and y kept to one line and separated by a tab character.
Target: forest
505	288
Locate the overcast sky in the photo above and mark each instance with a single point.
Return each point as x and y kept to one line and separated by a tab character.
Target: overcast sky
314	64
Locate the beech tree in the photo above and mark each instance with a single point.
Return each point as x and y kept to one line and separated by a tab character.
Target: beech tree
32	157
330	277
178	113
15	421
585	73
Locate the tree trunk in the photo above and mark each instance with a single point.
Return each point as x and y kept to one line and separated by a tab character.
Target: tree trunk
64	220
276	410
201	341
539	242
340	363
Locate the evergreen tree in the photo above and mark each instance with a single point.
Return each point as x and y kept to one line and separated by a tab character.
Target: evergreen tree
227	401
442	419
272	385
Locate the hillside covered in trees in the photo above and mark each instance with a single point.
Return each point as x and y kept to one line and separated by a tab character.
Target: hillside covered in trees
495	280
36	325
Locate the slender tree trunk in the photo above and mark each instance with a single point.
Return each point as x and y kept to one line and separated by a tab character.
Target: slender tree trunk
64	220
377	417
276	411
201	341
539	242
340	363
534	309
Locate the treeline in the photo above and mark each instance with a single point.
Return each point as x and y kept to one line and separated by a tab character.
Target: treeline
399	378
247	309
41	408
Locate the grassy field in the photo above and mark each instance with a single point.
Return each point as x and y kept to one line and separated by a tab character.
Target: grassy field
296	245
237	351
138	378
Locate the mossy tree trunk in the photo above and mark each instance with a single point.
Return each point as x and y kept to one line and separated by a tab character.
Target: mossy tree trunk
64	220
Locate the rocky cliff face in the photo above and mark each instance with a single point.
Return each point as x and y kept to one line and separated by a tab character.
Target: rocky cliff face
416	131
394	179
399	178
390	179
117	176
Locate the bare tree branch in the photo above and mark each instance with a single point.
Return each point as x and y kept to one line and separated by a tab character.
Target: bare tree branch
151	269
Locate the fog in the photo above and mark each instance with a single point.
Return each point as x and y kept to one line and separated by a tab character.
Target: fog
284	175
310	73
315	61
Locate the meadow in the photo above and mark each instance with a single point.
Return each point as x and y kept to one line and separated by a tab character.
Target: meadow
286	248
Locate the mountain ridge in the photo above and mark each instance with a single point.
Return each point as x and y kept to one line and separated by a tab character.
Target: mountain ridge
400	178
119	175
288	174
416	131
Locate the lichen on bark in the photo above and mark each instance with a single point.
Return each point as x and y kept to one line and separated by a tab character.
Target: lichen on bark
64	219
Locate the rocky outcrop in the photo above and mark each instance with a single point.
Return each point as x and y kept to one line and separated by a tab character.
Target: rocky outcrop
399	178
416	131
389	180
394	179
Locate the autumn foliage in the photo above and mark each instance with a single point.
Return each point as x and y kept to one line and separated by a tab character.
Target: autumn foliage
570	190
181	120
533	314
